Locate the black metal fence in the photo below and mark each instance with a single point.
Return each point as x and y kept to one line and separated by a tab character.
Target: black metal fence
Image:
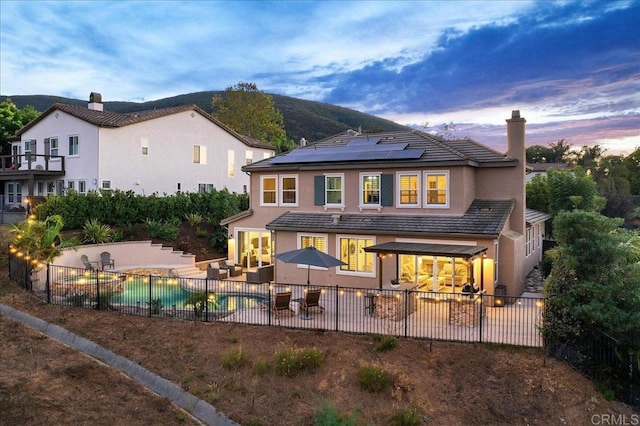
441	316
20	271
610	364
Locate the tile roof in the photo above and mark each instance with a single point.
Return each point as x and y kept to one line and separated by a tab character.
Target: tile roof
342	151
484	218
237	216
532	216
543	167
116	119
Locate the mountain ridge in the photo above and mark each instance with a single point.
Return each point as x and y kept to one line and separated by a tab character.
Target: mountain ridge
311	120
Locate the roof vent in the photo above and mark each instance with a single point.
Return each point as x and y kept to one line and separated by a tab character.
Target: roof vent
336	218
303	142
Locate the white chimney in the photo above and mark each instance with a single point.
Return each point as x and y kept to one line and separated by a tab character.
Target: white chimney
95	101
303	142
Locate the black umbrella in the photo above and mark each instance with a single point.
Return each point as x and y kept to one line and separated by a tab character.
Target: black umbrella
309	256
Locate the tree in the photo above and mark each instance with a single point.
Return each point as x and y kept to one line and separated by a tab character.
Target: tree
595	280
538	154
612	177
538	194
249	112
283	144
632	162
559	151
556	153
13	119
589	156
564	188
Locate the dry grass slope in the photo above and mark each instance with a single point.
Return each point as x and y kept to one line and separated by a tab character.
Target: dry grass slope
234	367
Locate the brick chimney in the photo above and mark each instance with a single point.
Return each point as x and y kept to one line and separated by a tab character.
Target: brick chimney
95	101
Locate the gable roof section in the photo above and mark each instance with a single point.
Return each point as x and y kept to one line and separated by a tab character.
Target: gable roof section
389	149
483	218
115	119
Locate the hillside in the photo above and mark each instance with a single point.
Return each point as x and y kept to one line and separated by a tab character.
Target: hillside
302	118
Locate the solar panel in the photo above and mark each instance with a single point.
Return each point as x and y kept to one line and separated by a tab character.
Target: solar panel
364	141
334	155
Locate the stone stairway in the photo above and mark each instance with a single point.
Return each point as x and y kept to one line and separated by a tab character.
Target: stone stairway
189	271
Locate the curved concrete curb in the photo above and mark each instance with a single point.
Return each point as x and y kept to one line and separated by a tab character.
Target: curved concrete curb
198	408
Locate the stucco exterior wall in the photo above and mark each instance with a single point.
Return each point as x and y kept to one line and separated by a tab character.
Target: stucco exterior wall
461	192
170	158
115	153
62	125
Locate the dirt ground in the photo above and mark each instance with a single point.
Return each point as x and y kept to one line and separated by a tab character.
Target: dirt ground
43	382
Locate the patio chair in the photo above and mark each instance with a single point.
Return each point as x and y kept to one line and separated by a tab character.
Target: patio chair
282	303
106	260
89	265
216	273
234	269
311	300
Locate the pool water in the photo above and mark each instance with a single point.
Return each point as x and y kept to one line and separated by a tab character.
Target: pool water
173	294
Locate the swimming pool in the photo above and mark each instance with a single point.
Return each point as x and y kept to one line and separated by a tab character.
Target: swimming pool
172	294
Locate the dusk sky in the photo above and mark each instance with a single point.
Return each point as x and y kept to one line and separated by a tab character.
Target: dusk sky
571	68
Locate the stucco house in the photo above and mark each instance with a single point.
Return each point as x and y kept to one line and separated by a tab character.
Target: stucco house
160	151
540	169
435	214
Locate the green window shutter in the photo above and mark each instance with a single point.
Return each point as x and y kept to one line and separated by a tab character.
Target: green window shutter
386	190
318	190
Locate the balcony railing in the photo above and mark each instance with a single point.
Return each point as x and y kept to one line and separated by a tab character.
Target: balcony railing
34	163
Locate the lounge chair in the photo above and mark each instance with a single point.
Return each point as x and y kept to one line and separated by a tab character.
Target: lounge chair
216	273
234	270
282	303
89	265
311	300
106	260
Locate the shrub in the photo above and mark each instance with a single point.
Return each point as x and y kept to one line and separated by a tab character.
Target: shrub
407	416
96	232
155	306
198	300
260	367
201	233
103	302
77	299
234	359
386	343
373	379
129	229
117	236
290	362
166	230
194	219
328	415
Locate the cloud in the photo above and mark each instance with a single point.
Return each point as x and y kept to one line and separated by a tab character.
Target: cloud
536	58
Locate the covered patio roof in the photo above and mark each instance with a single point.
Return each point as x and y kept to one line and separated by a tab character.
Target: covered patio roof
424	249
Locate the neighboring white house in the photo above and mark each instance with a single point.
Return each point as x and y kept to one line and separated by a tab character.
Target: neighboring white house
162	151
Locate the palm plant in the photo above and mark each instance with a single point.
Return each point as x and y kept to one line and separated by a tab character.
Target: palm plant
96	232
41	240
